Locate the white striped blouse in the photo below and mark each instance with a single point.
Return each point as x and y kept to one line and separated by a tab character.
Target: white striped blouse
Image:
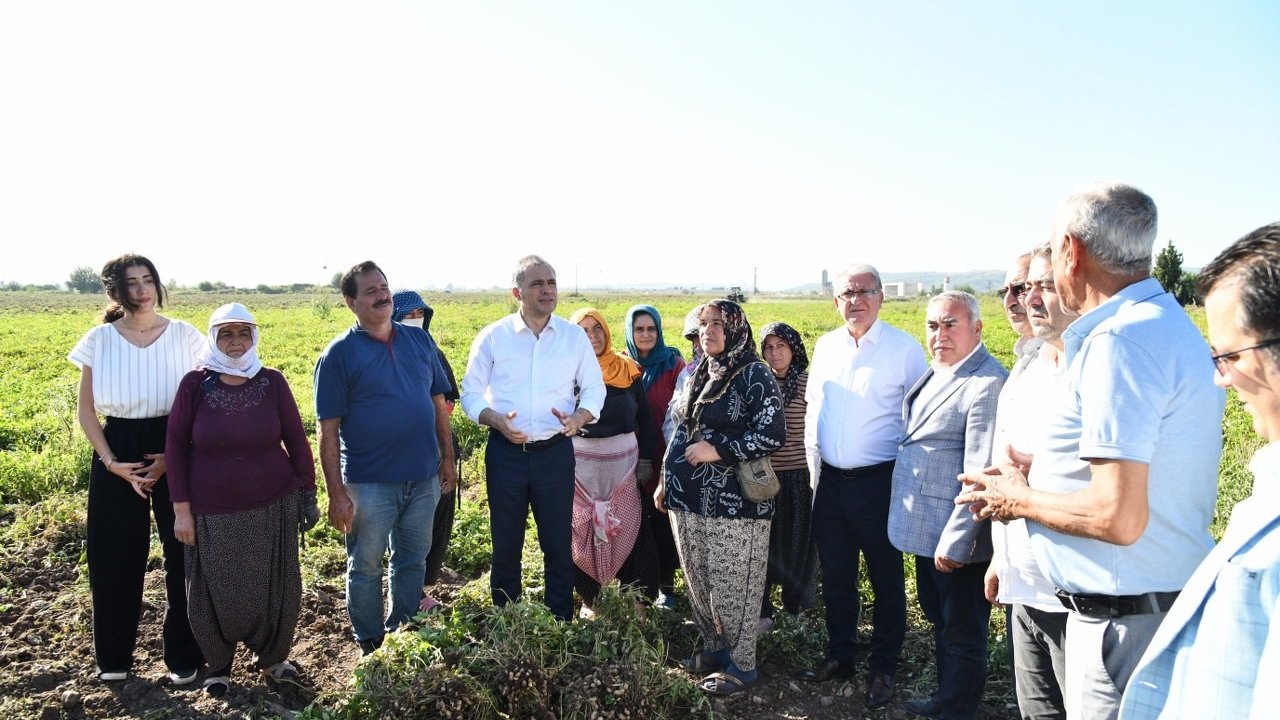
133	382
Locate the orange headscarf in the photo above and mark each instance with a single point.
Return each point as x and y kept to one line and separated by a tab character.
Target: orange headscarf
619	370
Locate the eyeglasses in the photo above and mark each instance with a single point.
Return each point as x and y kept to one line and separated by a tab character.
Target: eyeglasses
1018	290
864	293
1223	361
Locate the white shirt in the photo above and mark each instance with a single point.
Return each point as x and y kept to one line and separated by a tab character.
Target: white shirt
510	368
1021	421
855	393
133	382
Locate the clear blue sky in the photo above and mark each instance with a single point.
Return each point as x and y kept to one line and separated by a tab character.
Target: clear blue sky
675	142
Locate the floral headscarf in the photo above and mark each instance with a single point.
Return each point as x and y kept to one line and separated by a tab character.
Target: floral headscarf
619	370
661	358
715	371
799	358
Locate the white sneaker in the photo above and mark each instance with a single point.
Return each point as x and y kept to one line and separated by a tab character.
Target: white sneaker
183	677
283	670
587	613
113	676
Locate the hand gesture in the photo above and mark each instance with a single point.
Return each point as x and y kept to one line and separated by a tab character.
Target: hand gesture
572	422
448	477
503	424
993	493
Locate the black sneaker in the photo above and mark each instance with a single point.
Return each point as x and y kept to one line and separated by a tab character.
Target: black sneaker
368	646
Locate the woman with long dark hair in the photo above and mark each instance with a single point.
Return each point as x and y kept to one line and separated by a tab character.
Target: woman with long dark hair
130	368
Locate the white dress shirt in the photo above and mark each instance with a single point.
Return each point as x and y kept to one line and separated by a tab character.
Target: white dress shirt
510	368
855	395
1022	422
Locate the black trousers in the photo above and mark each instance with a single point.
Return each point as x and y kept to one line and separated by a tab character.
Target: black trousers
119	539
516	480
851	516
959	612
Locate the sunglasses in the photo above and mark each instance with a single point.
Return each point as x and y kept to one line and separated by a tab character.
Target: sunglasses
1018	290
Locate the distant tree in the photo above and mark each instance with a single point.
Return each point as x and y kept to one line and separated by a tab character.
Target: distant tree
1186	292
84	280
205	286
172	284
1168	271
335	282
13	286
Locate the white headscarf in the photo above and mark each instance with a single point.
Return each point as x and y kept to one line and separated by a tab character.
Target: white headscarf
245	366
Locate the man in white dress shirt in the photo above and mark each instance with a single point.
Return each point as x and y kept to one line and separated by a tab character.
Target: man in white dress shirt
1037	620
857	381
533	379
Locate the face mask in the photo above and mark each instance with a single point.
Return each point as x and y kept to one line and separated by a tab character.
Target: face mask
415	322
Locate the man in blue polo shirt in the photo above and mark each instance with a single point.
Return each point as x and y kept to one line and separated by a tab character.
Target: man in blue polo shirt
1122	491
378	386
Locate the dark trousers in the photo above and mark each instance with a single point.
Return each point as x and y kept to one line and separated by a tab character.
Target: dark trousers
851	516
664	542
959	612
119	539
515	480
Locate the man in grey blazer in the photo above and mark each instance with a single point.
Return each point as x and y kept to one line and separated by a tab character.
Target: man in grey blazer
950	419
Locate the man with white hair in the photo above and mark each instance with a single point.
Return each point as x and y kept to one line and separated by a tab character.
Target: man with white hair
950	427
1123	491
858	379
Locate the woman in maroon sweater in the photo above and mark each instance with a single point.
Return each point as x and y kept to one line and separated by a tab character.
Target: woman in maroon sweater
242	480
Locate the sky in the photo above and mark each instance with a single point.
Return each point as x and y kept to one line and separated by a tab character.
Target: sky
707	143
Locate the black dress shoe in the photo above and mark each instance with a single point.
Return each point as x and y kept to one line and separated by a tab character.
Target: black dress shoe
879	689
923	707
829	669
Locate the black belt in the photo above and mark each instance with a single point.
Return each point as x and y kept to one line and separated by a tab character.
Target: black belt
530	446
851	473
1109	606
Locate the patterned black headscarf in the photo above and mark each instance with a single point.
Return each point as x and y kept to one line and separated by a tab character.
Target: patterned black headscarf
799	358
739	350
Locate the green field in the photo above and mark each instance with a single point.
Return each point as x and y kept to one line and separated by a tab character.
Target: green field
44	460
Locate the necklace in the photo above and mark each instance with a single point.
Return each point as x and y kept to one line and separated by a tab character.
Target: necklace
144	330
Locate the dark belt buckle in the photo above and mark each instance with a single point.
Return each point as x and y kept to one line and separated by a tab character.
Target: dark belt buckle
1087	606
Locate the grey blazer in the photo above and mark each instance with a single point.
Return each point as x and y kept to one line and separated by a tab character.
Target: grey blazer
950	429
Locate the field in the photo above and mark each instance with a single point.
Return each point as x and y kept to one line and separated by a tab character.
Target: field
469	662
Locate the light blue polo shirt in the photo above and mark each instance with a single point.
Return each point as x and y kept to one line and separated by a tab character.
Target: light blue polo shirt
1139	387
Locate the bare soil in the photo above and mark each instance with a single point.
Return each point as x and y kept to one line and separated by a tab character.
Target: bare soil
47	667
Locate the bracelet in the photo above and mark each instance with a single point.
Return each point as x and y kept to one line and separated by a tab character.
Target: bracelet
108	462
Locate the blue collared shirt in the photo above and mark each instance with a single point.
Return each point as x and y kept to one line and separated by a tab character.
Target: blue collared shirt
1139	387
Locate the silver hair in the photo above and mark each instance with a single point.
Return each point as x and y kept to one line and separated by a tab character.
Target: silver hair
1116	223
1044	250
961	297
526	263
856	269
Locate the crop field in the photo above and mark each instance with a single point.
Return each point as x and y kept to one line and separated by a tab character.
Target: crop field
470	661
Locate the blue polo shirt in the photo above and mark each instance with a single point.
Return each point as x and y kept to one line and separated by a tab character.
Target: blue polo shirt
1139	387
383	393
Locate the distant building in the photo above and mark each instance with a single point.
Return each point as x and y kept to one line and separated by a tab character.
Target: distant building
903	289
826	285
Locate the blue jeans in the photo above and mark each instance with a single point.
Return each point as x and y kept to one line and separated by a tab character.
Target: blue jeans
398	515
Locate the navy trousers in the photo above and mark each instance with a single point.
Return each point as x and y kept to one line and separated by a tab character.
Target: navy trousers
517	479
851	516
959	612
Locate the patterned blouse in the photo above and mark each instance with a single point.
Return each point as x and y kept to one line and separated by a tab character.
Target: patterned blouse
744	422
